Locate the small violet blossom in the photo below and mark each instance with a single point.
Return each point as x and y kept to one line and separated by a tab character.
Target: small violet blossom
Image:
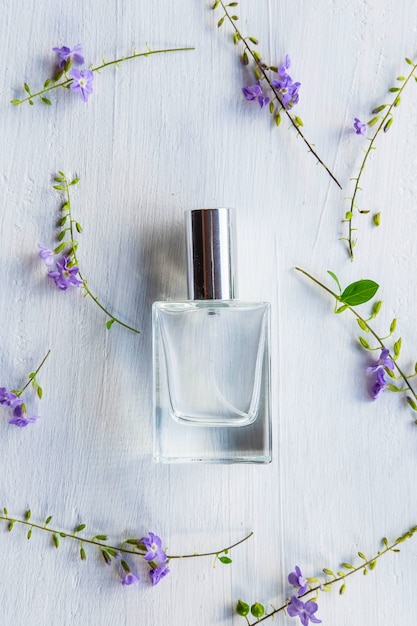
297	579
65	276
254	92
46	255
158	573
20	418
288	90
82	82
65	54
377	370
9	398
360	127
304	610
129	579
153	545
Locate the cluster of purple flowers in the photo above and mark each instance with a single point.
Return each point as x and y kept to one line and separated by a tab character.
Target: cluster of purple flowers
12	400
155	556
64	274
296	607
378	371
82	80
286	87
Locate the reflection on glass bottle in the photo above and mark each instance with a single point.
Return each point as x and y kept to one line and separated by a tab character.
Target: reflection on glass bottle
211	358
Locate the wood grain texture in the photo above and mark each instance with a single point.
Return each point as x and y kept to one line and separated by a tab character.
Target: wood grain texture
159	136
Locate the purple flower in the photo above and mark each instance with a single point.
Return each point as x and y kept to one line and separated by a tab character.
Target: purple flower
82	82
153	544
304	610
9	398
379	384
46	254
20	419
288	90
383	361
66	53
65	276
254	92
360	127
158	573
282	70
297	579
129	579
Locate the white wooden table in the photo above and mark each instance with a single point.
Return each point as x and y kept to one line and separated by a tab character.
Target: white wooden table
161	135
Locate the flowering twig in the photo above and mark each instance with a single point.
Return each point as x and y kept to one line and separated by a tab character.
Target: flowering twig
65	80
261	72
67	268
148	548
358	293
13	400
294	606
382	123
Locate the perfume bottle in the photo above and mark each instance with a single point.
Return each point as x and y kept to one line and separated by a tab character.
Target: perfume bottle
211	357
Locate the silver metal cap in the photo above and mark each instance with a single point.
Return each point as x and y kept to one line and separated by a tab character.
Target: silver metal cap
211	254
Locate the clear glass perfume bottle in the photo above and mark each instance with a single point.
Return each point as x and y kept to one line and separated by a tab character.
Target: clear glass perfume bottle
211	357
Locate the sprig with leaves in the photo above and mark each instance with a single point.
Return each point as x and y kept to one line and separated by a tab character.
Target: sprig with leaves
68	266
63	79
382	120
358	293
315	585
263	73
13	400
118	554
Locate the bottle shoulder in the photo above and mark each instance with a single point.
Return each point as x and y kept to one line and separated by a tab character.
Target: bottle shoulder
213	305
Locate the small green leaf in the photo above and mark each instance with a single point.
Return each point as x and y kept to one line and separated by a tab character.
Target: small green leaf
298	120
225	559
79	528
372	564
234	17
253	40
46	100
388	124
327	587
271	107
82	554
377	219
47	83
347	566
110	323
10	526
342	589
362	556
78	227
101	537
29	535
28	515
385	542
61	235
75	181
14	101
106	556
394	89
393	326
397	348
336	280
27	89
236	38
257	610
63	535
242	608
364	343
56	540
278	119
380	108
220	22
39	392
215	5
328	571
341	309
257	55
47	521
393	388
397	101
409	61
362	325
412	403
373	121
400	78
348	215
59	248
245	58
359	292
376	308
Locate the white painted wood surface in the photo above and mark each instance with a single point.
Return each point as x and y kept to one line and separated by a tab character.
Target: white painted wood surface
160	136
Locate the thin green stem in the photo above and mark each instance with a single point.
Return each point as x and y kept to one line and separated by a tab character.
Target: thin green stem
100	544
364	321
75	258
35	373
67	82
384	120
276	93
369	563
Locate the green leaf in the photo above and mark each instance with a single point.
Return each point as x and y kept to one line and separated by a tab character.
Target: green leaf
245	58
28	515
27	89
106	556
215	5
373	121
377	219
376	308
14	101
397	348
254	40
278	119
56	540
79	528
393	388
388	124
47	521
236	38
46	100
75	181
362	556
364	343
342	589
409	61
82	554
380	108
359	292
110	323
341	308
225	559
39	392
220	22
47	83
412	403
78	227
242	608
257	609
10	526
347	566
298	120
394	89
385	542
393	326
328	571
101	537
29	535
362	325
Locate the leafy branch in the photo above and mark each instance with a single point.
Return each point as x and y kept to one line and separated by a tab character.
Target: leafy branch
261	72
383	123
358	293
61	79
69	245
315	585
